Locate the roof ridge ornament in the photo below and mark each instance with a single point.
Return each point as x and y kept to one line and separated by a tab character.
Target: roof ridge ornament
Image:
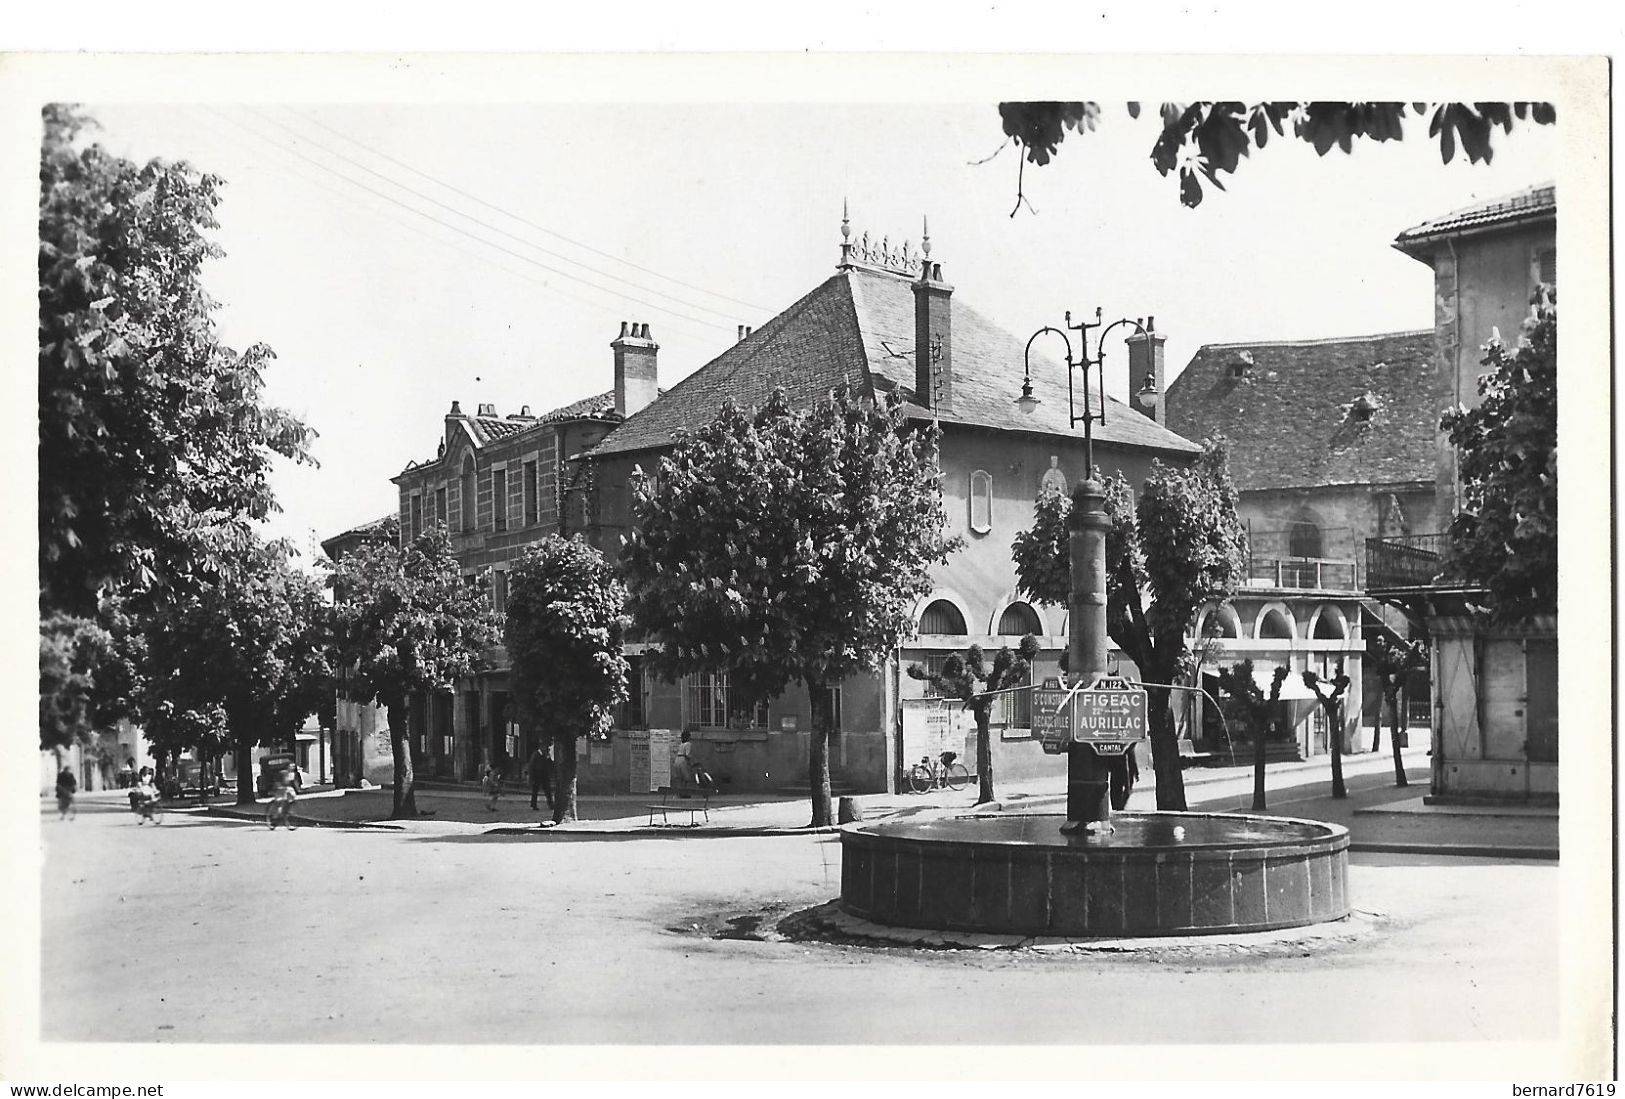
878	255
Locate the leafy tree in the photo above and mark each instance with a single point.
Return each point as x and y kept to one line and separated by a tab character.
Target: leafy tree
959	678
153	435
71	650
788	545
1237	681
1202	141
1180	545
1331	701
1393	659
1505	535
252	647
566	619
406	623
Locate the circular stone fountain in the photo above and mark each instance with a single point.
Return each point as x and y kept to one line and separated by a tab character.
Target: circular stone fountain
1156	874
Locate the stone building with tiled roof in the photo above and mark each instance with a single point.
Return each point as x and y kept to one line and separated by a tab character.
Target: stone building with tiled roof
497	484
887	322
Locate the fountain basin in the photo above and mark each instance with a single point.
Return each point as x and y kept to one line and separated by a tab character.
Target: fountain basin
1011	874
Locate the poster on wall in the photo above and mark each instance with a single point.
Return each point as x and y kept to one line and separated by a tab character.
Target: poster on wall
638	770
931	726
662	743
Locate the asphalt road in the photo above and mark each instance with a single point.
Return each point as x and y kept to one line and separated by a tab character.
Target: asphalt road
180	934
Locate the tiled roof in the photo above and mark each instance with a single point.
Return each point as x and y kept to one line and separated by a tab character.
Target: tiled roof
485	430
1289	421
1531	203
600	407
383	528
858	327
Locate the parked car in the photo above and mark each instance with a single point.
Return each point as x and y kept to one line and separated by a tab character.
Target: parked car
194	780
271	769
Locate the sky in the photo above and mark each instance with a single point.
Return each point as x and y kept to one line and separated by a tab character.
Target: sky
398	257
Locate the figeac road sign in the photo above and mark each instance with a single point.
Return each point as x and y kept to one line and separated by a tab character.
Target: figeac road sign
1109	713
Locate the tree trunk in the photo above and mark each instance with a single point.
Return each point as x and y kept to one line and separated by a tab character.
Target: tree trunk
564	777
1334	719
1165	749
984	753
245	772
406	801
1376	739
1399	764
818	756
1261	725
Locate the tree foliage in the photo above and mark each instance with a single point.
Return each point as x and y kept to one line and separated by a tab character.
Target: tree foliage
1180	545
155	441
974	682
253	648
566	618
71	650
1505	535
405	623
1237	681
787	545
1207	140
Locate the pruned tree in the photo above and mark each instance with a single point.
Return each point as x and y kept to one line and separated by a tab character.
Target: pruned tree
788	545
566	618
1175	549
1331	702
1206	140
1505	534
1393	660
1237	681
406	623
976	684
153	434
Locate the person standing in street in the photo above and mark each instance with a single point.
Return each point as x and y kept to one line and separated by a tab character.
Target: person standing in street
66	787
541	776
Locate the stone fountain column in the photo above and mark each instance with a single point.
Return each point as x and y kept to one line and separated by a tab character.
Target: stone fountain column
1088	782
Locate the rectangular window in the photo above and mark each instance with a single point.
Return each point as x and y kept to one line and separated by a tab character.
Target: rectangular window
933	663
630	714
499	591
417	517
440	506
530	494
499	499
709	705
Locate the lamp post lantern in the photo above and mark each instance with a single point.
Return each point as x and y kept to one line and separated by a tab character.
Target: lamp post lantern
1088	774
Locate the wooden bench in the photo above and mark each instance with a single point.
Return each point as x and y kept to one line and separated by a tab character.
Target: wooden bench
667	793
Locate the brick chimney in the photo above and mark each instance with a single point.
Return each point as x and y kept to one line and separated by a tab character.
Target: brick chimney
933	334
637	382
1148	384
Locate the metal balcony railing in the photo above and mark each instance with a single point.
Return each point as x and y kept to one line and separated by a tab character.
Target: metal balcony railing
1323	573
1414	561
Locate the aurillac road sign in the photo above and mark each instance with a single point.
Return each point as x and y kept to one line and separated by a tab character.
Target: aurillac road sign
1110	713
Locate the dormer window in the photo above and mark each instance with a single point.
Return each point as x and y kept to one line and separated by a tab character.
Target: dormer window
1241	365
1363	408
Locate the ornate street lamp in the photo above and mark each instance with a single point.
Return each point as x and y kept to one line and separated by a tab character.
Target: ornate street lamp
1088	800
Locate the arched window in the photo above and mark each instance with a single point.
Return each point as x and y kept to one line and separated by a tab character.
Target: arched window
942	617
1019	620
1303	539
1330	625
467	502
981	501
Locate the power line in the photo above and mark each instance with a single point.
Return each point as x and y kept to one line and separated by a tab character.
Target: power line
519	218
464	232
394	219
487	225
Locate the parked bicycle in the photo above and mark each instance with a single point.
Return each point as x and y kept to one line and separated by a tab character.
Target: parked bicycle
946	771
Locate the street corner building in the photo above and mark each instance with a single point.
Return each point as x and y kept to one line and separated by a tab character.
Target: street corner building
885	322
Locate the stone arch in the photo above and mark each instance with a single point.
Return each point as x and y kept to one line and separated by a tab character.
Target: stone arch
1329	623
1275	618
943	595
1224	616
1016	601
